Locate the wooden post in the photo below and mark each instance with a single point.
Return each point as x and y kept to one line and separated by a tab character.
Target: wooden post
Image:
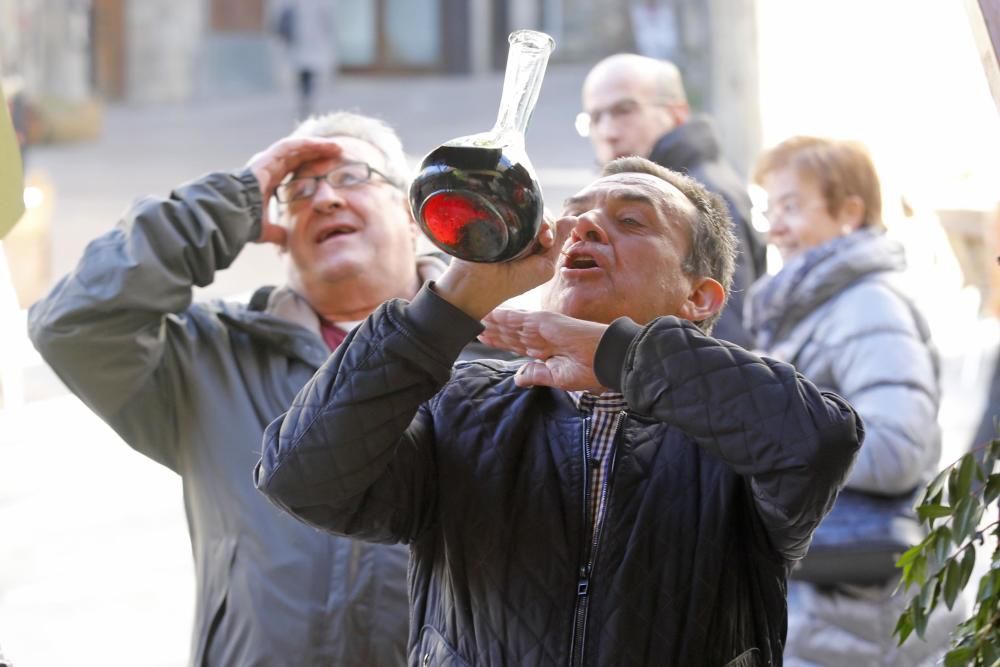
984	15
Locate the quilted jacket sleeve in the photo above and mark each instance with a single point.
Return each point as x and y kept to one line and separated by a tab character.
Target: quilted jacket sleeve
104	327
793	442
354	453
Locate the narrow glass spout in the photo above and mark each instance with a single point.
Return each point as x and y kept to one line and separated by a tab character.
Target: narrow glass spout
526	63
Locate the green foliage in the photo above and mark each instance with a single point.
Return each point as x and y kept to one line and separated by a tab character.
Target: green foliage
941	565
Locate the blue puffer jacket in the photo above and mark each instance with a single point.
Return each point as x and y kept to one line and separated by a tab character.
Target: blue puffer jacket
724	464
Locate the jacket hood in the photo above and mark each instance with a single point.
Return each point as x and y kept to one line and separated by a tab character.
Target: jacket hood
775	304
694	141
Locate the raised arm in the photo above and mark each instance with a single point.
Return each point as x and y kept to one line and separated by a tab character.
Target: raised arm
108	327
793	442
104	327
354	453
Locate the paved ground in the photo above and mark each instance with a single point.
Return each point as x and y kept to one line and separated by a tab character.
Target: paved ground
96	567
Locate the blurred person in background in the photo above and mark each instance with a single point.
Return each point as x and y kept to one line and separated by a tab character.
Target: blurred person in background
635	105
192	385
654	26
307	29
837	313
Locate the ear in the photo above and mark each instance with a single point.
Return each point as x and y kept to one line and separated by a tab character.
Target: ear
704	300
852	213
415	232
278	211
680	113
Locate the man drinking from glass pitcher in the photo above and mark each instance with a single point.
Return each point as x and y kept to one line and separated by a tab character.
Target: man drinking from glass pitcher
634	495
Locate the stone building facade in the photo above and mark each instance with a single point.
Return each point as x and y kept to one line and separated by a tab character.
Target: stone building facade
169	51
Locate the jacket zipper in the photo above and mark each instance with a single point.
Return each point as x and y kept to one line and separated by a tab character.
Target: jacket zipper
583	582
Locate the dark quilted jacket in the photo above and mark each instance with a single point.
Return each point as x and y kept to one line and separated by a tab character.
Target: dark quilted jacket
724	466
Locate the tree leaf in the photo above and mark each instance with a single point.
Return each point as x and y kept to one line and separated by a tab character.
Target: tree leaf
992	488
931	601
935	487
909	556
926	512
993	451
904	626
975	513
968	563
919	620
966	472
958	657
953	485
990	654
942	544
950	583
919	573
961	523
988	586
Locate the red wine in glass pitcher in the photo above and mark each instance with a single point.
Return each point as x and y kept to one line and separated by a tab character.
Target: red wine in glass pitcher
476	197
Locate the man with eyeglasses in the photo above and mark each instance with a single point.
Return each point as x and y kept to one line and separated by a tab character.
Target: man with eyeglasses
192	385
635	105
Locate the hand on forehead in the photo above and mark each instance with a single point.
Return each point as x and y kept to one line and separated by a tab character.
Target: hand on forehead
351	149
287	155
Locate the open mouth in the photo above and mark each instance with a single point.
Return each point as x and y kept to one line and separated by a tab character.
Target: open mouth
329	233
580	262
579	259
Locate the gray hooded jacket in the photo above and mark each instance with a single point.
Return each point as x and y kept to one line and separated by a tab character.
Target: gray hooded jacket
192	386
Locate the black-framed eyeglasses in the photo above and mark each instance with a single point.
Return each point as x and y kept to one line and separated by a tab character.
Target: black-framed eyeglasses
619	111
345	175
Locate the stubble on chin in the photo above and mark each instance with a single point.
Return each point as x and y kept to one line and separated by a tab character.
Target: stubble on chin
564	302
551	298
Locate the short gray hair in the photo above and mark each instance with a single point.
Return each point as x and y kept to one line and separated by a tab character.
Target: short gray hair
371	130
713	243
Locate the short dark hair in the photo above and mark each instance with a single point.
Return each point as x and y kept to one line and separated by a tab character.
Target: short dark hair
713	245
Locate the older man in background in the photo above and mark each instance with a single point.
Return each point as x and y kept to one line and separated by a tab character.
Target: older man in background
635	105
192	385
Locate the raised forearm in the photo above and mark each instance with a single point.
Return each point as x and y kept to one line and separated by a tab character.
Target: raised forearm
101	326
794	443
354	443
